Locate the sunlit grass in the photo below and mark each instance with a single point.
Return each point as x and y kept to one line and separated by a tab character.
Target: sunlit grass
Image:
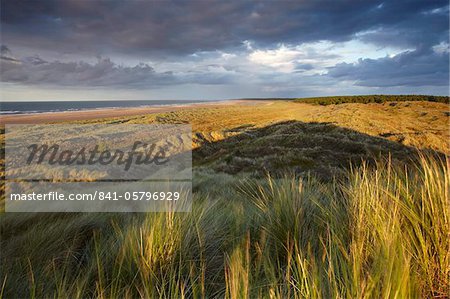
381	232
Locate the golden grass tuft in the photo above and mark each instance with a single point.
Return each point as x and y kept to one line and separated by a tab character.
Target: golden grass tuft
382	232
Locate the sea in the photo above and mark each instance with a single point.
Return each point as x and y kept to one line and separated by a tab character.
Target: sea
7	108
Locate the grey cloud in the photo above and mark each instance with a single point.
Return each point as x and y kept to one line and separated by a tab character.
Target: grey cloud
4	50
183	27
162	31
304	67
104	73
412	68
6	55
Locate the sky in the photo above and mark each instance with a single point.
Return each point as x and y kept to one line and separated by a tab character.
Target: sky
185	50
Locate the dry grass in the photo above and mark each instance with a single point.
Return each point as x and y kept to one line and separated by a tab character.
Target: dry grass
418	124
383	233
380	230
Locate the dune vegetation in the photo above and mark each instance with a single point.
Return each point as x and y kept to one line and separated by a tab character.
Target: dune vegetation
290	200
382	232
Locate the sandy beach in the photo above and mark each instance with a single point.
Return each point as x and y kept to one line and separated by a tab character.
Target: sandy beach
47	117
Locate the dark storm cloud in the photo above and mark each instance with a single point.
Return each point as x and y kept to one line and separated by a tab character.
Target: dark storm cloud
188	26
104	73
415	68
158	30
6	55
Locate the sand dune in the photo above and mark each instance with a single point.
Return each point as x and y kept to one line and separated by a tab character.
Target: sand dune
108	112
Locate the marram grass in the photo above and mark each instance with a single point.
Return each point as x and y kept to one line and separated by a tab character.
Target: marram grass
383	232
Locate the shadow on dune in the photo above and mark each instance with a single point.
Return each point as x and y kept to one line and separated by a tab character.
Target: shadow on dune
321	149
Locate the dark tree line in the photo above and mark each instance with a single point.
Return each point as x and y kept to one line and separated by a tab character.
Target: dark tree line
372	99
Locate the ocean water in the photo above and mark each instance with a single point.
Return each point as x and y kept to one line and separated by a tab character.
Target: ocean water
41	107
